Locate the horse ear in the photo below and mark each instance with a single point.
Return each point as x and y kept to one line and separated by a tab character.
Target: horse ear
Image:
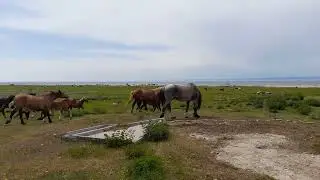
59	91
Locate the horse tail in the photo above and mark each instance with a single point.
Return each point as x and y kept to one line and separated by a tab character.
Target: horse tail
199	101
130	97
162	98
11	105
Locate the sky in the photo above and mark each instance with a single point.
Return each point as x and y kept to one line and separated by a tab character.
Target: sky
149	40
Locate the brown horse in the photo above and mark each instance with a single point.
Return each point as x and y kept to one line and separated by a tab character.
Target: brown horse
145	96
79	103
25	102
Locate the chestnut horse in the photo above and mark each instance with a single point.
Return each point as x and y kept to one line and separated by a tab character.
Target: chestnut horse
66	104
145	96
25	102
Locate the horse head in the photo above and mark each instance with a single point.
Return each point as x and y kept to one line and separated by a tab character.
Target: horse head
84	99
61	94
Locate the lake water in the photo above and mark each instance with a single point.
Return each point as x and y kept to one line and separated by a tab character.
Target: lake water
278	82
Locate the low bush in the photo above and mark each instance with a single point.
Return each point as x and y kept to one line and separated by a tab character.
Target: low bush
156	131
315	115
275	103
313	102
256	101
145	168
303	108
136	150
116	141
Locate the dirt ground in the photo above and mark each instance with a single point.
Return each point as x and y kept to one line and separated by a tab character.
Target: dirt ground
279	149
199	149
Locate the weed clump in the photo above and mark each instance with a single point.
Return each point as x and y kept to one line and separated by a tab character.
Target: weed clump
304	109
115	141
313	102
85	151
146	167
156	131
315	115
257	101
136	150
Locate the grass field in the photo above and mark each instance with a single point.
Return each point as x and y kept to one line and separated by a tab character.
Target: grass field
34	151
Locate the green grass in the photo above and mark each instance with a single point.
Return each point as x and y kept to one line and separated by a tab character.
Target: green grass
113	99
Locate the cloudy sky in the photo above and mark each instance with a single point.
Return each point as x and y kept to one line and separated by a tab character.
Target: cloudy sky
119	40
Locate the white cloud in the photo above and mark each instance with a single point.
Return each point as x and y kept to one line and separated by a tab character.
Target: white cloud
181	24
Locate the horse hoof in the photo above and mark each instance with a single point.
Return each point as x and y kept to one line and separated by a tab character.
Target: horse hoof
187	117
196	116
162	115
23	123
173	117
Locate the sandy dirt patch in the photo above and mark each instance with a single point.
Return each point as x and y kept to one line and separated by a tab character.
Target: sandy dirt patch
266	154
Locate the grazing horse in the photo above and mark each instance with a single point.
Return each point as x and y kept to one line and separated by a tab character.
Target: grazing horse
4	103
145	96
187	93
26	102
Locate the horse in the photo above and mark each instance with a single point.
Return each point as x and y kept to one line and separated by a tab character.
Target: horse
26	102
27	113
79	103
184	93
66	104
4	103
145	96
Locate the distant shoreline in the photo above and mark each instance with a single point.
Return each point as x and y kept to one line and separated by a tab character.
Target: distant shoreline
267	83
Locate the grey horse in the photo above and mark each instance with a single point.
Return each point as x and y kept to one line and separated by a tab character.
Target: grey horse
185	93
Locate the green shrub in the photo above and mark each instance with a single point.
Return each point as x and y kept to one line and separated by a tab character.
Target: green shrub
313	102
156	131
295	97
304	108
220	107
275	103
136	150
315	115
117	141
146	168
256	101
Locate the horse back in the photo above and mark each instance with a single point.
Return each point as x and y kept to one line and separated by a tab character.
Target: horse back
22	100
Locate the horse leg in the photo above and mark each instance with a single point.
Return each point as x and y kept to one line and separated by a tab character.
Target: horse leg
27	115
154	107
11	115
138	106
47	113
3	113
187	109
145	105
70	113
133	104
195	109
41	116
60	114
167	105
21	117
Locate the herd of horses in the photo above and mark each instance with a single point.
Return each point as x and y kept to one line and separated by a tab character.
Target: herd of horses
160	98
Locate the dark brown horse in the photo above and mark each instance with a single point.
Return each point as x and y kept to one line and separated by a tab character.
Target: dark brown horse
4	103
26	102
144	97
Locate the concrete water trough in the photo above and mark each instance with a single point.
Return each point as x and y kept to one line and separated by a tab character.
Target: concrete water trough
134	130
